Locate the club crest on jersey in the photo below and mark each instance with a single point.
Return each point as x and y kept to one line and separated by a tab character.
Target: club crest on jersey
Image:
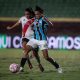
24	20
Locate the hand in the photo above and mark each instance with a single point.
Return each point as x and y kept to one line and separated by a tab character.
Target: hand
9	28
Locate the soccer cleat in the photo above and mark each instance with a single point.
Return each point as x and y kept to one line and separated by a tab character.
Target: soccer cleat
60	70
30	66
21	69
41	68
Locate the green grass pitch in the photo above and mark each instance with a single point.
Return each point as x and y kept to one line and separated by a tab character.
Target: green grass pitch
68	59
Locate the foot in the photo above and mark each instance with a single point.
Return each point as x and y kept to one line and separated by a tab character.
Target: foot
41	68
30	66
21	69
60	70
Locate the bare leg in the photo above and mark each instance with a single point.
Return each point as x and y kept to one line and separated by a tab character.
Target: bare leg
25	57
49	59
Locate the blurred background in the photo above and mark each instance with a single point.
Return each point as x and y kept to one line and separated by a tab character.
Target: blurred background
64	14
63	39
53	8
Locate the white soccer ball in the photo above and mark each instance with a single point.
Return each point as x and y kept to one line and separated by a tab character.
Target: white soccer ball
14	67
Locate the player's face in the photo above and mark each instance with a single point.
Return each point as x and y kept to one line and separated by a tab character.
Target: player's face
27	14
38	14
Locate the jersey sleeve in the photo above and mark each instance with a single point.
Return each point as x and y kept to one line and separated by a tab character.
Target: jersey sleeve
45	23
48	22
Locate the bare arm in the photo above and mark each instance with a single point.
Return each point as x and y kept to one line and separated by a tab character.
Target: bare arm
15	25
49	22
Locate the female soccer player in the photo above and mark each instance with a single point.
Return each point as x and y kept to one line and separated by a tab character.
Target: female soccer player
40	39
28	15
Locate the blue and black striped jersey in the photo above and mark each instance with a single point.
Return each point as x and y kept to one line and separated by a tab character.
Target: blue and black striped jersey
40	28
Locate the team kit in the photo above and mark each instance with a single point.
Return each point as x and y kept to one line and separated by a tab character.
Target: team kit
34	38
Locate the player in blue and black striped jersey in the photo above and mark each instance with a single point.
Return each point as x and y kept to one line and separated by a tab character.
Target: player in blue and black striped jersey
40	28
40	38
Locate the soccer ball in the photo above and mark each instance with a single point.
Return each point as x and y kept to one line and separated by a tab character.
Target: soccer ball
14	68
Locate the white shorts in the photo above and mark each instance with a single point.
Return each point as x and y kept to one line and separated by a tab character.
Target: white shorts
41	43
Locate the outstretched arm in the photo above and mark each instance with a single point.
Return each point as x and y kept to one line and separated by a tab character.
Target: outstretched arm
15	25
49	22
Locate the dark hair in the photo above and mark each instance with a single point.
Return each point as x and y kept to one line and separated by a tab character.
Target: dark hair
37	8
30	10
32	14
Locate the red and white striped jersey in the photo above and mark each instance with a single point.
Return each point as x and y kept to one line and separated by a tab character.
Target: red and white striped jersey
27	30
23	21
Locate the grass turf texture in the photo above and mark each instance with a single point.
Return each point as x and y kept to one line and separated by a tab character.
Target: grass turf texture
69	60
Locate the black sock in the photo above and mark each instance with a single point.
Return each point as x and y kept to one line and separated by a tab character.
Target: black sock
35	51
53	62
38	59
23	61
28	60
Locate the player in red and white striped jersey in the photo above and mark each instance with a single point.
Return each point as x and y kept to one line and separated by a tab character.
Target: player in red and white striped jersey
32	43
28	34
23	20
